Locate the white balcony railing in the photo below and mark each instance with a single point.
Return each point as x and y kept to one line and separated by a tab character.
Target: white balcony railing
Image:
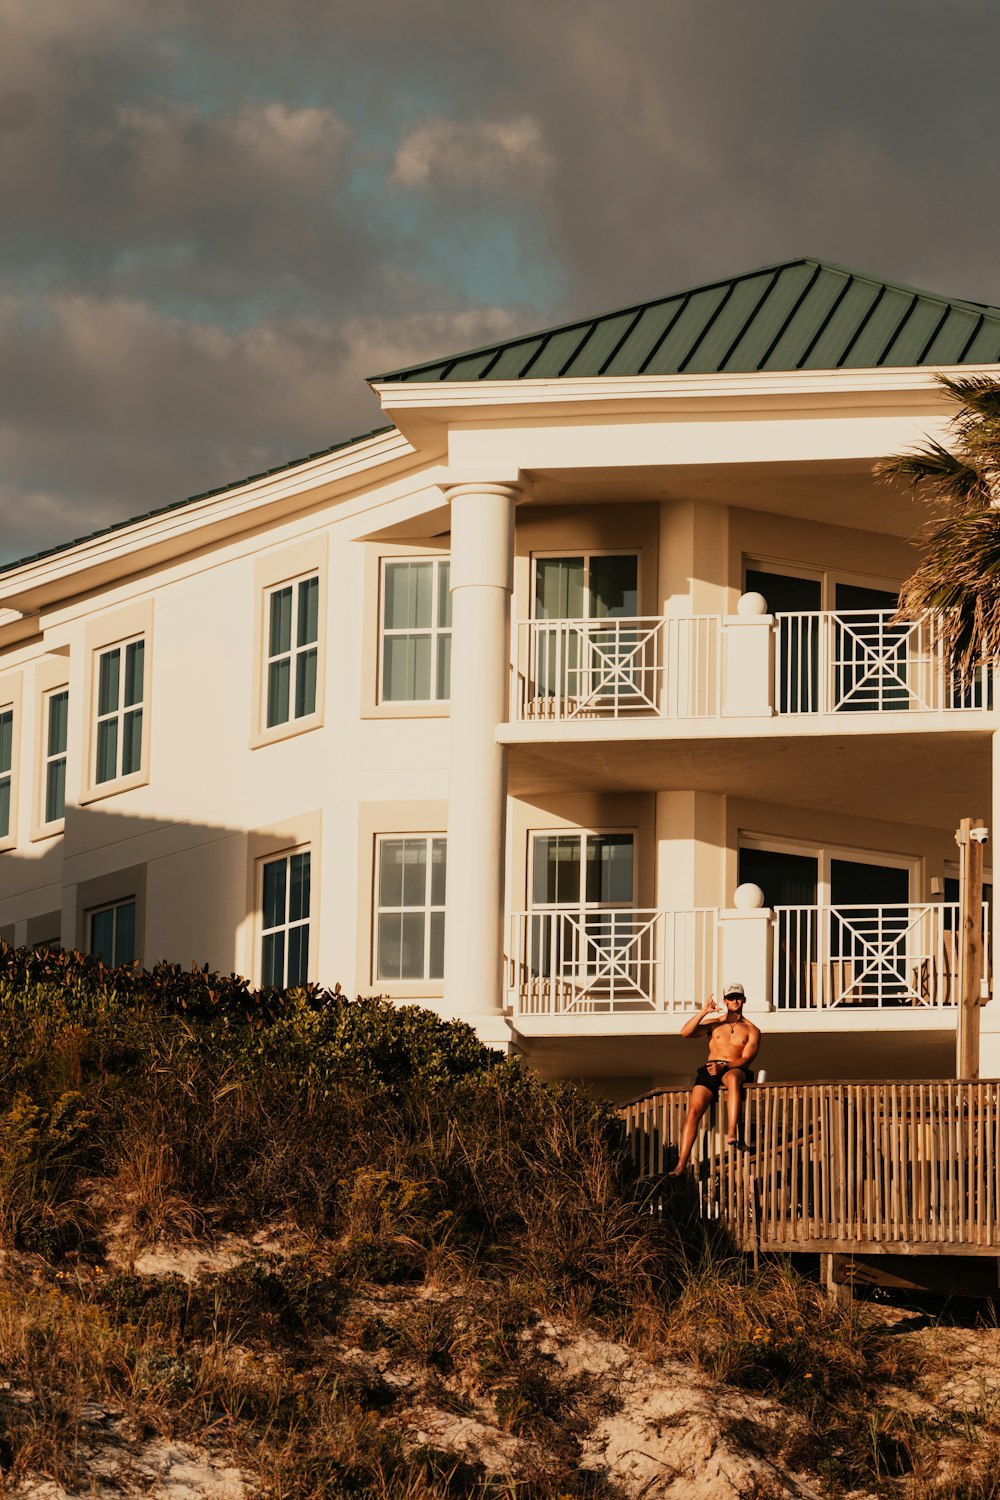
868	955
572	961
585	669
852	661
864	661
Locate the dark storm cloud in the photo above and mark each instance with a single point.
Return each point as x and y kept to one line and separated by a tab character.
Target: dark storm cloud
219	215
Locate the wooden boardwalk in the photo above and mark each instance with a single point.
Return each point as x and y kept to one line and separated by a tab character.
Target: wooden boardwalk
873	1168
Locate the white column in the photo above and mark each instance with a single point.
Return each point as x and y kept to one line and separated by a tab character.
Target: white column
745	947
748	685
989	1020
482	563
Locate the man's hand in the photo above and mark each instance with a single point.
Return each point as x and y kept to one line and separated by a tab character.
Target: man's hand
709	1008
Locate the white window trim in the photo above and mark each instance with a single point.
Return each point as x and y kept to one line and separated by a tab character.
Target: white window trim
120	780
272	571
428	908
8	840
827	578
824	854
105	634
586	553
115	907
48	827
308	922
434	631
294	721
582	834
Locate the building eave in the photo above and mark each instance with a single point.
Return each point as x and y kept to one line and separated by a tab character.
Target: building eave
423	409
107	557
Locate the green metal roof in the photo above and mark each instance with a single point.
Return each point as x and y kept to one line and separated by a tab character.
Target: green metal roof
801	315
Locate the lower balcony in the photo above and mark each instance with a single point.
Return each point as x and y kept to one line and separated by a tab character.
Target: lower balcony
633	967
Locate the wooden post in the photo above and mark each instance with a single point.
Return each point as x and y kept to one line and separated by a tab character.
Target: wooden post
970	946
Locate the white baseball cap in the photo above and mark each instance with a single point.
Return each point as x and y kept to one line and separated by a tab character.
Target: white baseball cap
734	989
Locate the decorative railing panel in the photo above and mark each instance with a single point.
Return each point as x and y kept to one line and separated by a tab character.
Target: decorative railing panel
885	1166
883	956
587	669
865	661
593	961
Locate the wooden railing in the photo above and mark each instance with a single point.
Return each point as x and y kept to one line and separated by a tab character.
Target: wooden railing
878	1167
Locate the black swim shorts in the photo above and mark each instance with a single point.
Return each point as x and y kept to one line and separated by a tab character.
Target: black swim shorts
714	1081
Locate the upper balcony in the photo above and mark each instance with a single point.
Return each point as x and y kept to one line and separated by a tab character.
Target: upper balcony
811	664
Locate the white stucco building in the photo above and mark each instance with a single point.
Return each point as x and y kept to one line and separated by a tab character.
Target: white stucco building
498	708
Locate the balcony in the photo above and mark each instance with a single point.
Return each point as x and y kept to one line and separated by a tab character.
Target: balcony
589	962
713	666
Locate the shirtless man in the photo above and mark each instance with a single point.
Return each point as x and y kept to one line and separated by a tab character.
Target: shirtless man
733	1042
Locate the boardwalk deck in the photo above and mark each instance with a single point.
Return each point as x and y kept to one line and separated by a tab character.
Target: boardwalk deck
874	1168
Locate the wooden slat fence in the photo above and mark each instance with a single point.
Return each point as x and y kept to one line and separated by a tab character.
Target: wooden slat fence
900	1167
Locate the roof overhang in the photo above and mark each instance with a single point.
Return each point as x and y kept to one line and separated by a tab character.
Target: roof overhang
426	410
102	560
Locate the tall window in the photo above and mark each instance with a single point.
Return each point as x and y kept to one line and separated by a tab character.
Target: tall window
292	650
416	631
112	933
6	768
56	722
120	674
409	941
285	924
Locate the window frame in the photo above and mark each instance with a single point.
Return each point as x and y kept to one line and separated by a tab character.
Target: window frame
115	907
582	834
8	835
430	909
586	554
295	653
48	826
119	715
273	571
435	632
285	856
825	853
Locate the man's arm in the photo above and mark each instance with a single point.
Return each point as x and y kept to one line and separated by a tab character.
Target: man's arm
709	1013
751	1046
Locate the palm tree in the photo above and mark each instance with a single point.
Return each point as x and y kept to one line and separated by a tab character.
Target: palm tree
957	580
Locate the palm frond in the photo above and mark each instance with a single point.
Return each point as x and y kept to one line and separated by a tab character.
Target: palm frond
957	583
944	477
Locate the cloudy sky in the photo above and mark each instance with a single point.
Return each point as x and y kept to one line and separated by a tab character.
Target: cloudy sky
219	216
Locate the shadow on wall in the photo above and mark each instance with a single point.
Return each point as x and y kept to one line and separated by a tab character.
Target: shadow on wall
193	888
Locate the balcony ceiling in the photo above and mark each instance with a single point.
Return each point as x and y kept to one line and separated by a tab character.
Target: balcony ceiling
930	779
833	493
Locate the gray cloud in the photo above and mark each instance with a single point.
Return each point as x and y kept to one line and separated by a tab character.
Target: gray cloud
221	214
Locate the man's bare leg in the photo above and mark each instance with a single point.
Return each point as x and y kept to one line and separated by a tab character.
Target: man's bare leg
734	1105
701	1098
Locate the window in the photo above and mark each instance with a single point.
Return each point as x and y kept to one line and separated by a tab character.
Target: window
292	651
409	940
579	650
582	928
6	768
285	924
120	673
56	723
112	933
416	631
